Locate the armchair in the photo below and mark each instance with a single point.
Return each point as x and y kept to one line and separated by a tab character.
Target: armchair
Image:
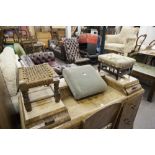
124	42
73	52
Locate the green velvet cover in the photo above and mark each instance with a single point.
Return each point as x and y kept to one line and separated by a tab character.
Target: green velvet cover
18	49
84	81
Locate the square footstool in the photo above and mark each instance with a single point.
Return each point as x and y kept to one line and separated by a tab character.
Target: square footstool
116	64
35	76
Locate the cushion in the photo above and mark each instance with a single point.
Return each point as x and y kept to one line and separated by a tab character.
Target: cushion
84	81
116	60
9	69
18	49
115	47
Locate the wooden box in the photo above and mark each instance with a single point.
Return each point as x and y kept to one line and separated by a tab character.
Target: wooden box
46	113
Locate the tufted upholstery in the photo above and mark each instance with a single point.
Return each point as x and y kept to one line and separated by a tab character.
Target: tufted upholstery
72	51
42	57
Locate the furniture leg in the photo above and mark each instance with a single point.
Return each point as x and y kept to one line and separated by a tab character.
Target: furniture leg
56	90
99	66
151	92
27	101
117	75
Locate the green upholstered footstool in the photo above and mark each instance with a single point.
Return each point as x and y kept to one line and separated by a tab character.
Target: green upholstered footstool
116	64
84	81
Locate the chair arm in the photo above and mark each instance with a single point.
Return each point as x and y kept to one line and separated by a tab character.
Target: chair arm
152	43
83	53
140	40
129	45
112	38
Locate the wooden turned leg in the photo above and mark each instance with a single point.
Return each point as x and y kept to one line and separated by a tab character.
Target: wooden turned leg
99	66
56	90
151	92
27	103
117	74
130	70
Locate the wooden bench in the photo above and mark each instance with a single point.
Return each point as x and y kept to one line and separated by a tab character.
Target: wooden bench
147	73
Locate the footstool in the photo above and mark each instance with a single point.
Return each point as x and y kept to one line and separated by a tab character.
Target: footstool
116	64
34	76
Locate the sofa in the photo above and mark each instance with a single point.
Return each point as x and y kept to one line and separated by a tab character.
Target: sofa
124	42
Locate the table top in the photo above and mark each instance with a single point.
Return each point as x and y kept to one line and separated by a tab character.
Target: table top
144	69
149	52
80	109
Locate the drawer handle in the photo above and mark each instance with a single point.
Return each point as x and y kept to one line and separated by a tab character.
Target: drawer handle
49	121
134	88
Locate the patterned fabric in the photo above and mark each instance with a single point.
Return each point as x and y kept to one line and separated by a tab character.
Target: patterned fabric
72	50
116	60
127	37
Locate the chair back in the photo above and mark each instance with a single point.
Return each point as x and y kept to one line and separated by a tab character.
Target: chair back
72	49
104	118
128	32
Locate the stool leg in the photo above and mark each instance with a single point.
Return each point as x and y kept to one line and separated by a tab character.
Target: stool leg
117	74
99	66
27	103
130	70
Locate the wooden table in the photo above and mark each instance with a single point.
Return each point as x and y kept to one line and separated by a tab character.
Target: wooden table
126	91
150	54
147	73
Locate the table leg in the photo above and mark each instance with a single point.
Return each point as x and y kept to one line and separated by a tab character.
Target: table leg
151	92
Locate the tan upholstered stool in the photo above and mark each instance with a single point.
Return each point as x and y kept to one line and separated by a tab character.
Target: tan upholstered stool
34	76
116	64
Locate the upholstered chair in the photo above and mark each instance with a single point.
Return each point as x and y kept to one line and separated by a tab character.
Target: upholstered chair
124	42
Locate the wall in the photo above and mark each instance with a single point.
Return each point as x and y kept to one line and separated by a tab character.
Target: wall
150	31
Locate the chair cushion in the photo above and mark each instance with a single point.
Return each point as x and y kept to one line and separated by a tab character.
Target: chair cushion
115	47
84	81
116	60
82	60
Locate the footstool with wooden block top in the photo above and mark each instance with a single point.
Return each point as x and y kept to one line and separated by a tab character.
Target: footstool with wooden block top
34	76
116	64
